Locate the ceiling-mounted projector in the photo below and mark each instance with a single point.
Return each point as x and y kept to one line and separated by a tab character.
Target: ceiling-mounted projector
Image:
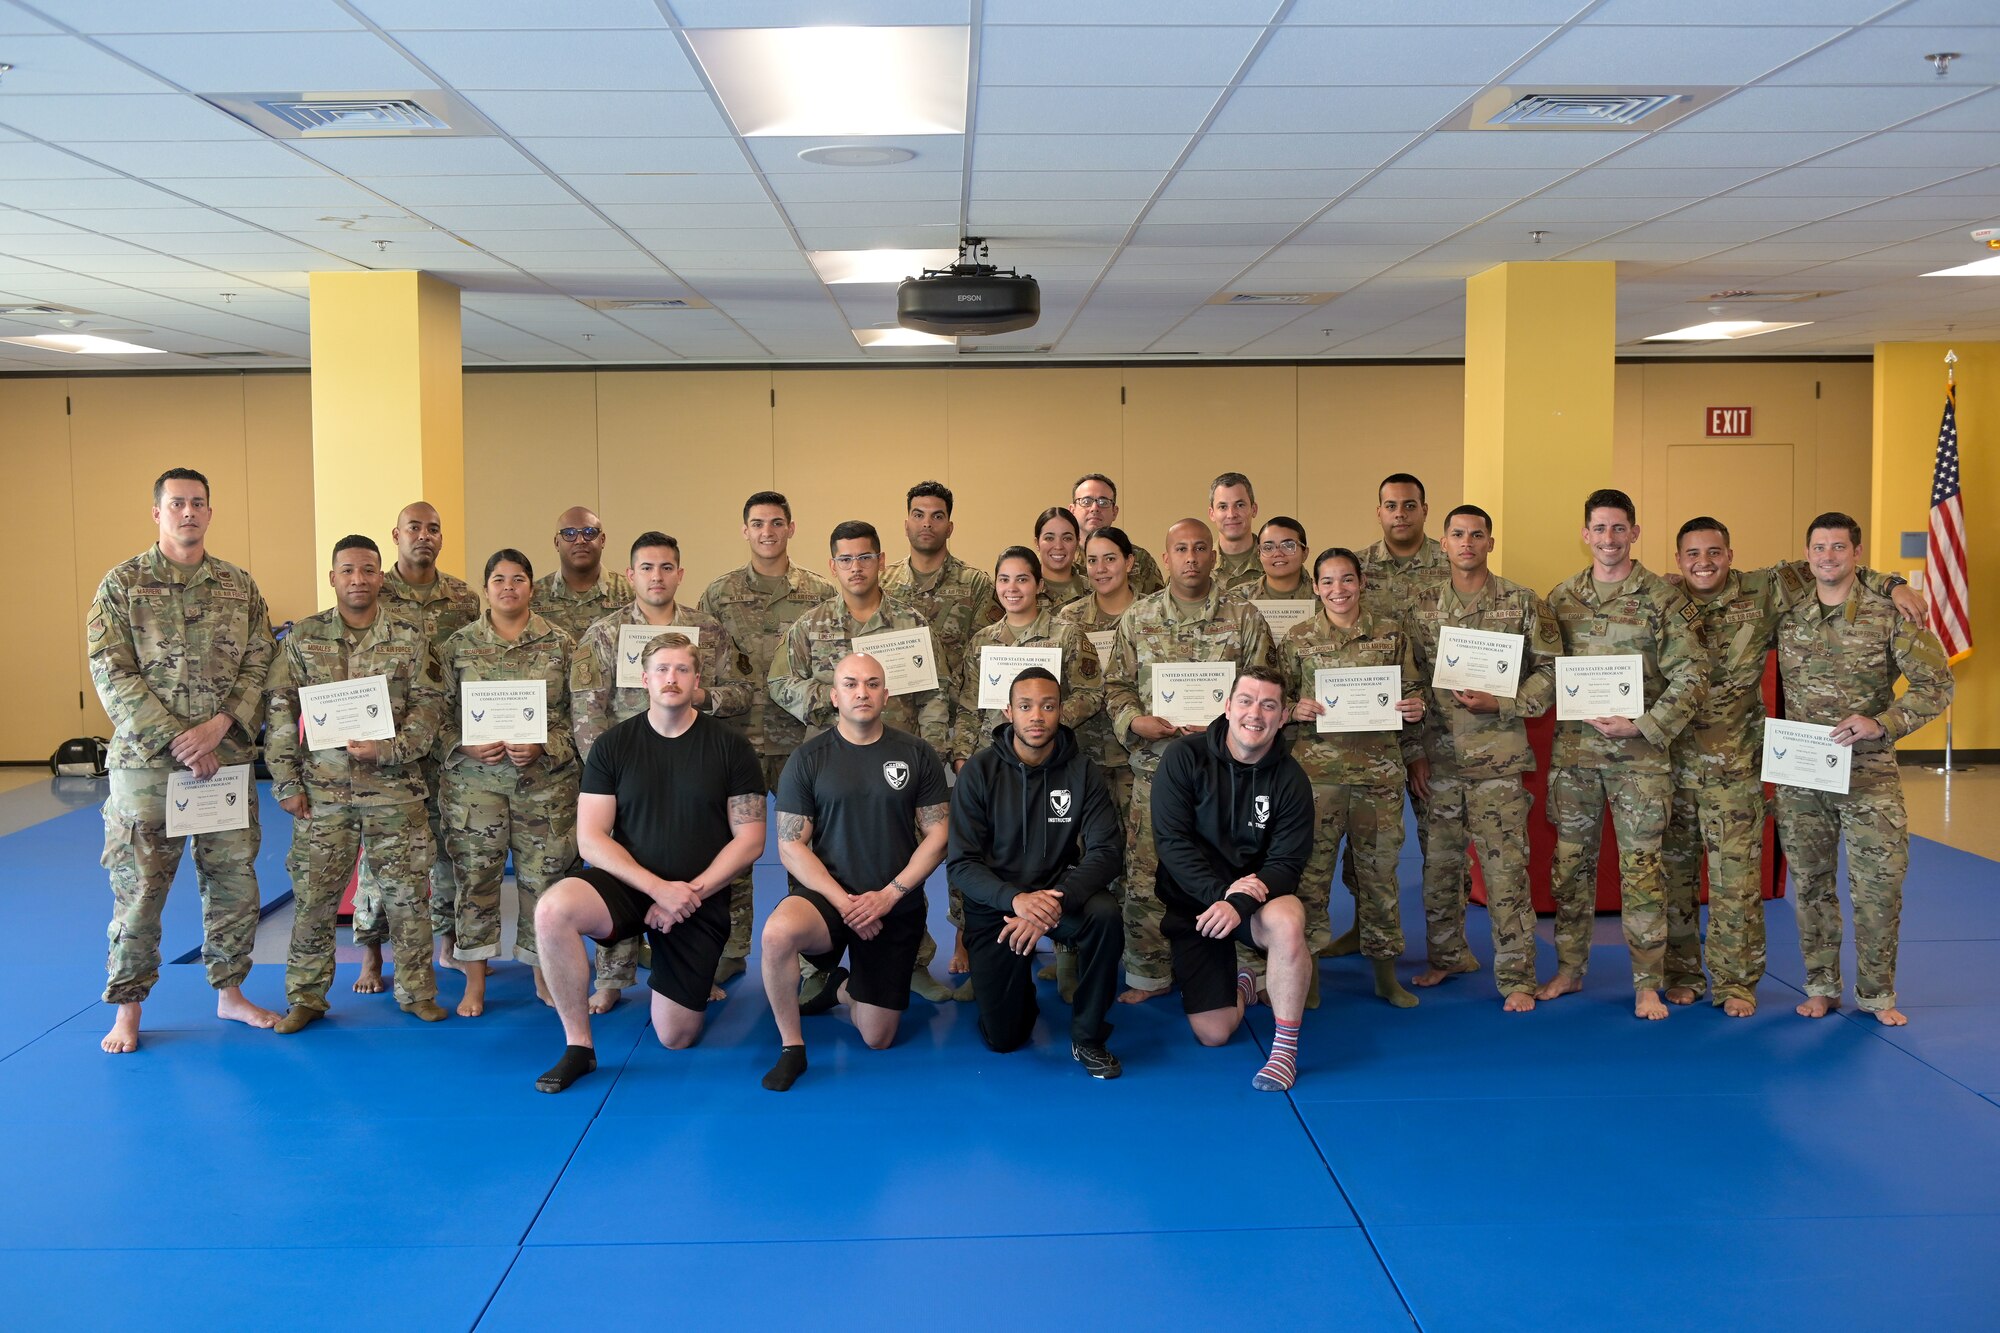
969	298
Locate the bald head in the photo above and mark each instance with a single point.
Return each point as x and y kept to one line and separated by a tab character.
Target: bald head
860	692
1190	559
419	537
580	545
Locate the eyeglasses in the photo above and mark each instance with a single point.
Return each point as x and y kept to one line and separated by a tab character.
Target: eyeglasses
863	560
1273	548
1096	502
579	534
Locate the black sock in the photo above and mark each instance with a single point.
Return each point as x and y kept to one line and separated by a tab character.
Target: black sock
791	1063
829	994
575	1063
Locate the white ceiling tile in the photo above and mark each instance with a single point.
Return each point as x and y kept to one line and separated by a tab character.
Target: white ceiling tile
1340	57
327	192
228	62
71	65
33	161
103	192
78	118
1797	208
614	156
883	187
1465	183
475	220
1285	110
614	115
1847	180
1076	152
1610	183
1589	212
1731	13
879	238
1290	212
1515	148
1042	185
1277	152
1692	148
1319	186
1093	110
1368	209
1766	109
1174	12
1894	56
576	240
423	156
1627	56
1366	233
1942	208
1241	241
1964	150
103	16
419	192
1975	182
707	188
1974	113
1079	213
643	60
718	243
138	222
913	213
1076	55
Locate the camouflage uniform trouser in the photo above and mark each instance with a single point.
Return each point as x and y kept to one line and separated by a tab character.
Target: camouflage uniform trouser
1369	820
1639	803
1871	818
395	842
1490	814
142	860
1148	963
1724	819
370	926
480	826
1352	880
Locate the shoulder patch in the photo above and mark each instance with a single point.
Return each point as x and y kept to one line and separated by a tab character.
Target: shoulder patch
1690	613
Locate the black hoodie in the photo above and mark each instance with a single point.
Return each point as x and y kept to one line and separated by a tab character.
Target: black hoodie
1216	820
1018	829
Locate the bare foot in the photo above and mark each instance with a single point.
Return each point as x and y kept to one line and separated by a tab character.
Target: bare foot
1817	1006
1137	996
604	1001
1892	1018
1648	1005
716	992
443	958
231	1005
1736	1008
123	1038
1562	984
1680	995
474	1003
542	990
1520	1002
1431	976
370	980
961	961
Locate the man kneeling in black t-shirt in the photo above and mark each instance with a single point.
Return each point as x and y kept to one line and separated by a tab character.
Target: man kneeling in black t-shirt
672	810
1035	844
862	810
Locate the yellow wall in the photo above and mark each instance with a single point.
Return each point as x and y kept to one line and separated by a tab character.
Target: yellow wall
679	450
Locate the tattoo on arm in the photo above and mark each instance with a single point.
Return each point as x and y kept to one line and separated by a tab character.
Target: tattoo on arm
930	816
794	828
746	809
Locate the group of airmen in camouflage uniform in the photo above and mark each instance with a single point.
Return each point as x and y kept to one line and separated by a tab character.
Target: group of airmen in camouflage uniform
183	656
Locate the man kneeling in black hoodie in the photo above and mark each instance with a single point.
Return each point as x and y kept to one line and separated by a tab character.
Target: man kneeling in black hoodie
1035	845
1233	825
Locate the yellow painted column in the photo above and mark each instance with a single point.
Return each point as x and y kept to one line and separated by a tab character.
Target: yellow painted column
388	409
1539	362
1909	402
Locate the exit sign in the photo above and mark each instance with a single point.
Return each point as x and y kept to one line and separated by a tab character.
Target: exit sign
1728	421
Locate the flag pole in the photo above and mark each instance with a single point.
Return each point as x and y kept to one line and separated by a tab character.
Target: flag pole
1950	368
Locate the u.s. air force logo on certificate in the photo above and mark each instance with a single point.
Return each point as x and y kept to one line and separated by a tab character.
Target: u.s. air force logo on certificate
897	772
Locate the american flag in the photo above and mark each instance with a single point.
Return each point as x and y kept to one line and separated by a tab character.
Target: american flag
1944	556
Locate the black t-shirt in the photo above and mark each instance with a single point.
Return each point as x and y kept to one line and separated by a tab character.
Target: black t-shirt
863	802
673	793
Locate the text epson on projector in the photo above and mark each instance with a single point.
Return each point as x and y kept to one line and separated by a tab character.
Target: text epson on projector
969	298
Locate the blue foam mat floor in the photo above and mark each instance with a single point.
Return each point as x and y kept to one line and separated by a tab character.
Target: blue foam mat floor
275	1178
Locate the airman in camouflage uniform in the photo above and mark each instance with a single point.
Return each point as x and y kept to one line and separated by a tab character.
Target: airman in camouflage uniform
1636	613
178	653
580	555
1839	665
1357	779
955	598
1232	512
367	796
1190	621
1478	749
1094	501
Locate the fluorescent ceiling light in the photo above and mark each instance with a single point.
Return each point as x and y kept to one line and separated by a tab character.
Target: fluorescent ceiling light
900	338
836	81
1721	330
84	343
876	265
1978	268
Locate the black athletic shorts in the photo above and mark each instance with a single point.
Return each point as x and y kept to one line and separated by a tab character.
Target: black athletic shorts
1205	968
685	957
878	970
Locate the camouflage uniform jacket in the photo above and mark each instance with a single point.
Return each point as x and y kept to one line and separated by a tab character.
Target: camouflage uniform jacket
1359	758
1145	578
170	648
1096	737
955	601
442	607
1082	679
1055	596
321	649
1393	580
1475	746
1236	569
477	652
596	704
1725	742
1654	619
801	675
575	612
756	611
1262	591
1155	629
1840	660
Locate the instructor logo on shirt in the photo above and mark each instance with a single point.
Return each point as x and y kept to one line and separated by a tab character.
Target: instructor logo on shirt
898	774
1059	806
1263	811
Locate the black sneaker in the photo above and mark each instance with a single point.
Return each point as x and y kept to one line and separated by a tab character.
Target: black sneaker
1096	1061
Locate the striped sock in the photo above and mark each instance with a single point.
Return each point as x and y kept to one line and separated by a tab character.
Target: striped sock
1282	1069
1246	986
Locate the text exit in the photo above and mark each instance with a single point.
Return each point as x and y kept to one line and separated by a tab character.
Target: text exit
1728	421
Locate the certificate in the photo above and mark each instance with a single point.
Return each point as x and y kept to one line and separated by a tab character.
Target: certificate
513	711
909	662
1281	616
1613	685
1799	754
1479	659
1359	698
632	641
214	804
1191	694
998	667
1101	641
347	710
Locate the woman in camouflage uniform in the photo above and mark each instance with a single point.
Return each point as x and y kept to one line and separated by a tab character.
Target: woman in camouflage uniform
1059	540
1026	622
497	796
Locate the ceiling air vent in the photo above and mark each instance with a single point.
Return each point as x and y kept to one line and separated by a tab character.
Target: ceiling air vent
647	303
1751	298
1518	108
40	308
241	356
1271	298
354	115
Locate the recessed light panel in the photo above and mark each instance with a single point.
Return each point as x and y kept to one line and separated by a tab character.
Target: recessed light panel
834	81
900	338
1978	268
84	344
835	266
1722	330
